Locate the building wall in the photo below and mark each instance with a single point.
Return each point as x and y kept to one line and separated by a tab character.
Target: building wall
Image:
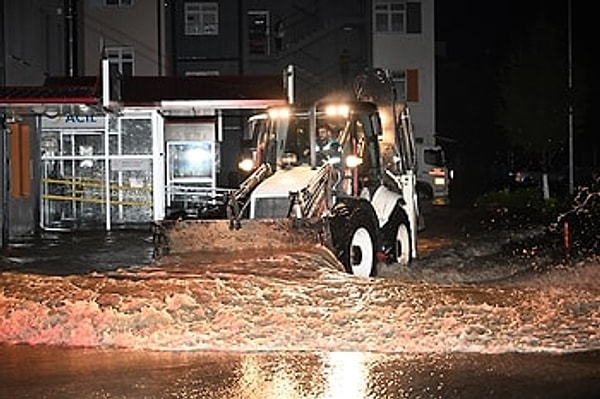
20	208
30	57
413	51
140	26
33	48
2	46
199	54
326	41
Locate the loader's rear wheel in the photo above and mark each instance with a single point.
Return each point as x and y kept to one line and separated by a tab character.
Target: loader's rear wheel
402	245
397	238
354	236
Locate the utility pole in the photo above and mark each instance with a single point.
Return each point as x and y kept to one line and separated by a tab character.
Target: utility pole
71	55
570	86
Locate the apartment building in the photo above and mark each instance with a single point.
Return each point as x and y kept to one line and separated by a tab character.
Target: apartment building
165	48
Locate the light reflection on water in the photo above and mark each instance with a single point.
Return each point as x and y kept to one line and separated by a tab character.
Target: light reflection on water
347	375
54	372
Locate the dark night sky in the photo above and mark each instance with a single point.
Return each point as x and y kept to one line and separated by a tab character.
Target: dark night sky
477	38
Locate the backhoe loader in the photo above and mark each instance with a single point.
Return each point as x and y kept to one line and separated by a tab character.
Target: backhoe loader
358	198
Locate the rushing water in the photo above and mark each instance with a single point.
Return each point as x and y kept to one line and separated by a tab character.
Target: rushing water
92	315
298	300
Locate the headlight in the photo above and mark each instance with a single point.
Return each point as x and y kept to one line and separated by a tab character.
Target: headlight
439	181
338	110
289	158
279	113
352	161
246	164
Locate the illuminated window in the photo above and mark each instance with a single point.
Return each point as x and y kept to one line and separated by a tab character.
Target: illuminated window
202	73
397	16
201	18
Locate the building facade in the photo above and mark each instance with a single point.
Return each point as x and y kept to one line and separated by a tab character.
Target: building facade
130	33
328	43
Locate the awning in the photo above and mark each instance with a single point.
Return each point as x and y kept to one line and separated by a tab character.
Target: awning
189	95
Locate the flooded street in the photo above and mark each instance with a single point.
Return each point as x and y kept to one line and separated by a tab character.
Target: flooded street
63	253
469	318
49	372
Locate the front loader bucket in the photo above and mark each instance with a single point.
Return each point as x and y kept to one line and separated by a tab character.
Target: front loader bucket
216	236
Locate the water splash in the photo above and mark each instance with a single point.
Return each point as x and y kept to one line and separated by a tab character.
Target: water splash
297	301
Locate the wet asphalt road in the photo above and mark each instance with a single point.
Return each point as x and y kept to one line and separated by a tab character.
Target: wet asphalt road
49	372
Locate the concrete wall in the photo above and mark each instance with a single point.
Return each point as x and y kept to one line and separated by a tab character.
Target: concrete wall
140	26
33	47
30	57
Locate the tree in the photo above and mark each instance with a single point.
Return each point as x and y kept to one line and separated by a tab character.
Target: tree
534	93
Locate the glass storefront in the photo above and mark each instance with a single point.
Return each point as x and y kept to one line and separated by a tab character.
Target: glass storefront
97	170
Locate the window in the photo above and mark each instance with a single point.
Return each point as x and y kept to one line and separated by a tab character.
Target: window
397	16
201	18
399	79
406	84
412	85
120	60
118	3
413	17
258	28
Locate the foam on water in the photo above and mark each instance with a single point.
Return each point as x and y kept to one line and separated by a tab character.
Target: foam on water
296	301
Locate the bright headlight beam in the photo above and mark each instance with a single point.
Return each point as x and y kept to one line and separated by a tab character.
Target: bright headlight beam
246	164
279	113
338	110
352	161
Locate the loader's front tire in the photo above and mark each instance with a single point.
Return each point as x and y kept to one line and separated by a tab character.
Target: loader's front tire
354	236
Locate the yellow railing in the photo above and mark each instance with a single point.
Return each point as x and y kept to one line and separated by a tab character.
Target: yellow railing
77	189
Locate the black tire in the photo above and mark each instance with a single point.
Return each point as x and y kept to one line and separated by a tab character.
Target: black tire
397	237
424	192
354	236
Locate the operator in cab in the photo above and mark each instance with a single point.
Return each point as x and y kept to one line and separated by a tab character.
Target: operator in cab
327	146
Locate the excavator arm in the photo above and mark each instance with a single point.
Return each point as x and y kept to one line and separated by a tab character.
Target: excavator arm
316	197
238	200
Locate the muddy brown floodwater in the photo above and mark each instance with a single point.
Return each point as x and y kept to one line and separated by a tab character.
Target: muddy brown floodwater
299	299
466	294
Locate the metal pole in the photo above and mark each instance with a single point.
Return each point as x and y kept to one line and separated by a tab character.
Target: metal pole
290	83
4	145
71	38
570	84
